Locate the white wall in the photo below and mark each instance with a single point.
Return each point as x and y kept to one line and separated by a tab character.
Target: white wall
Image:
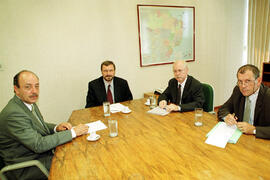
65	41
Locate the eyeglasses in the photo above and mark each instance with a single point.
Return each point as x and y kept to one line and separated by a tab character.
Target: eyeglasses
246	82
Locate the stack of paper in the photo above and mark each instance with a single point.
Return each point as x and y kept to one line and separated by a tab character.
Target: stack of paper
96	126
221	134
117	107
158	111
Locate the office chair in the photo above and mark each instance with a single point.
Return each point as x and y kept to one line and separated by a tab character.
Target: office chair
208	105
20	165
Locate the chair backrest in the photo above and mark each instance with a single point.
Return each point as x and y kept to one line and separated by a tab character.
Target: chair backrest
208	91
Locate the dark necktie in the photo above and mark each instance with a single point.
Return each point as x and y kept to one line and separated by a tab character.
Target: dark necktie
109	95
178	97
246	117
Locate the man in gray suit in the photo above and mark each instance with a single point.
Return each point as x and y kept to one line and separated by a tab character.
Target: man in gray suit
24	135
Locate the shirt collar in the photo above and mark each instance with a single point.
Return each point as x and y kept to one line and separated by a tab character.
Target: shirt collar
107	84
183	83
29	106
254	95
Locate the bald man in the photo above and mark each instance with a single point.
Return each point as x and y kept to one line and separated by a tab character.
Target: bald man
184	93
24	135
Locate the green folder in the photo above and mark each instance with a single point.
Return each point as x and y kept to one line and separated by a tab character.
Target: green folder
236	135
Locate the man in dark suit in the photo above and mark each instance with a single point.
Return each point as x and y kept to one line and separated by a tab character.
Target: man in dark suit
249	105
184	92
24	135
107	87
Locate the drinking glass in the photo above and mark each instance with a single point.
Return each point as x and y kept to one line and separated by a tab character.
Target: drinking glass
198	116
113	127
106	108
153	102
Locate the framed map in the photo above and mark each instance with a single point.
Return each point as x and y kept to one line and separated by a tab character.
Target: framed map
166	34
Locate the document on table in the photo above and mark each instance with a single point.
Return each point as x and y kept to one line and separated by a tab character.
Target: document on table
117	107
221	134
157	110
96	126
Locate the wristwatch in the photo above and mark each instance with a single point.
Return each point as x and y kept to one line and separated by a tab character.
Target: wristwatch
254	131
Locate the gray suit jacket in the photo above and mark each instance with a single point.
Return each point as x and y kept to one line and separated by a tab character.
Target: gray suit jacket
236	104
22	137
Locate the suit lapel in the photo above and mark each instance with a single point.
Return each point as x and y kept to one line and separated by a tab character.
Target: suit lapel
259	104
241	108
174	90
186	88
103	95
41	118
115	89
31	115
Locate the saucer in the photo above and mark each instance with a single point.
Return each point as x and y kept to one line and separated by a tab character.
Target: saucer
93	137
126	111
147	104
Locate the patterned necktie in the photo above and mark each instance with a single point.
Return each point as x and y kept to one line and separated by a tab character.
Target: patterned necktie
178	97
109	95
246	117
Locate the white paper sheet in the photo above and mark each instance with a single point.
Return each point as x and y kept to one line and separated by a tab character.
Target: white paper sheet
157	110
221	135
96	126
117	107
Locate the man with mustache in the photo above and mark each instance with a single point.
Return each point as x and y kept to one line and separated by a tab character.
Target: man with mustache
184	93
24	135
108	87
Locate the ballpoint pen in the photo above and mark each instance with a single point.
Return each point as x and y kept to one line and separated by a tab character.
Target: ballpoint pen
233	114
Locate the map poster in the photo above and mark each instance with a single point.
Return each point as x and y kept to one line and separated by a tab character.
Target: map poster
166	34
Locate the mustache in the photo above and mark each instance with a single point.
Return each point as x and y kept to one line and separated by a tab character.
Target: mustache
33	95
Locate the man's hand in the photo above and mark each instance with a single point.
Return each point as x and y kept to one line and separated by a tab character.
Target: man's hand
245	127
162	104
63	126
172	107
230	119
81	129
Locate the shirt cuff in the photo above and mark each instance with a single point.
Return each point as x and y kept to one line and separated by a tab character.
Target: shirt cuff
54	129
179	108
254	131
73	133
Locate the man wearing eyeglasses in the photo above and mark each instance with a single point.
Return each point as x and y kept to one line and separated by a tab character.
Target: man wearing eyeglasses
249	105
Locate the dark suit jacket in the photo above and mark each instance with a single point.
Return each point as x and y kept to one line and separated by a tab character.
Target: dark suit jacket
236	104
23	138
192	96
97	93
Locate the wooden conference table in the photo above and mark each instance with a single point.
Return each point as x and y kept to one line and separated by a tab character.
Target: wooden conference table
157	147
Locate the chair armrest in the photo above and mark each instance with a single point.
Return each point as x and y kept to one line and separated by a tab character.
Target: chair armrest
26	164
